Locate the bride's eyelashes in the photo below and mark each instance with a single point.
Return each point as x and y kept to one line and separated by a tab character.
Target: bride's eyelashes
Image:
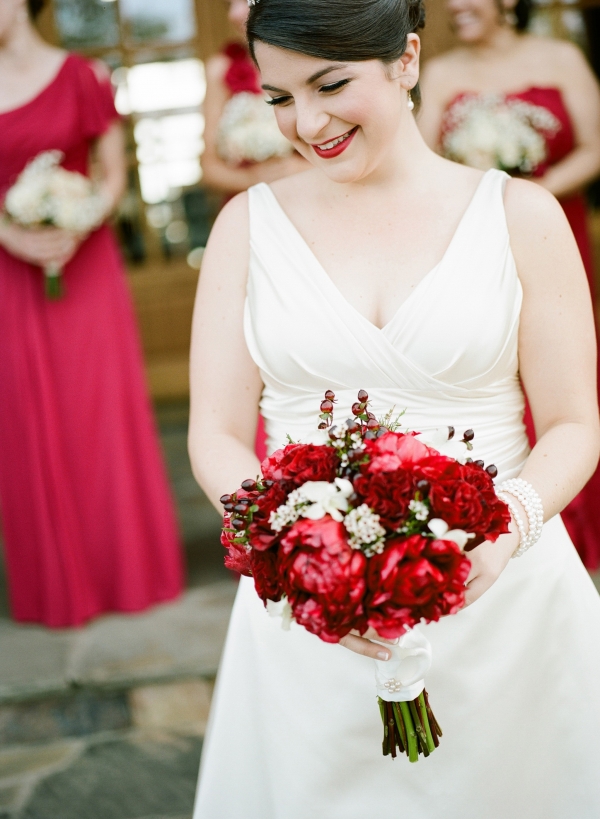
331	88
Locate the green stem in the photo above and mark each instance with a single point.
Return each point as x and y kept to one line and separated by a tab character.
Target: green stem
386	739
401	727
425	720
419	727
413	751
54	286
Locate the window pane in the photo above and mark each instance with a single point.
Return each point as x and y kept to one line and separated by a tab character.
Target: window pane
160	86
87	23
170	21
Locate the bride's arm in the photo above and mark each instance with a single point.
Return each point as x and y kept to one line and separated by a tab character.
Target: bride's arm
225	382
557	360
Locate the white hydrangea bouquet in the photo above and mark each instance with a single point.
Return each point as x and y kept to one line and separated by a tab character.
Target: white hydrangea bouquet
248	131
45	194
493	131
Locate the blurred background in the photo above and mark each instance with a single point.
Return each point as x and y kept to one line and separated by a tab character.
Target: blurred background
107	720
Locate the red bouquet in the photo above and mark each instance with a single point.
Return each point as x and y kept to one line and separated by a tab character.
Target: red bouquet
368	529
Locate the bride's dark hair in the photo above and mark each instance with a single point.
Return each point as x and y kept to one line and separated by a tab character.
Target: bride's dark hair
340	30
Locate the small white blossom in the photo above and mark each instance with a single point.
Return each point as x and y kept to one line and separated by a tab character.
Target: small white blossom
313	500
365	530
281	609
442	531
420	510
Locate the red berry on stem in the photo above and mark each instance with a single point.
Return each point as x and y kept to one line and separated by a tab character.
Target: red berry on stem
238	524
249	485
481	464
225	499
492	470
451	432
357	409
469	435
228	506
373	423
363	396
326	406
240	508
330	395
322	425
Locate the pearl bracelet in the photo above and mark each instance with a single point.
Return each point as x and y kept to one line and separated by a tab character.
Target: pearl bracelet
532	504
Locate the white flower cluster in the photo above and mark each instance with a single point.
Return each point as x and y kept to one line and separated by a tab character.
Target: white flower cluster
47	194
492	131
419	509
366	533
313	500
248	131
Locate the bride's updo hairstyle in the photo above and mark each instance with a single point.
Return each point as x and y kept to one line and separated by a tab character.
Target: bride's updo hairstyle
337	30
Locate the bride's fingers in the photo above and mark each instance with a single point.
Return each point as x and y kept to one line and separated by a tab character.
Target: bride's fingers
475	588
362	646
371	634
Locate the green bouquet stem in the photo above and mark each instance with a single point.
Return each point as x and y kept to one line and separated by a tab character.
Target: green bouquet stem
53	283
409	727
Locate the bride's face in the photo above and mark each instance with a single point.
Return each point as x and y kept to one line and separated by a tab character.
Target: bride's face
343	117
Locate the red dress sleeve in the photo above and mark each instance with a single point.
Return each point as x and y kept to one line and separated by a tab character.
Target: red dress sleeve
96	99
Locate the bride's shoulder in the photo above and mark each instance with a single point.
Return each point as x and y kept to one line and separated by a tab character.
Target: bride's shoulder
538	229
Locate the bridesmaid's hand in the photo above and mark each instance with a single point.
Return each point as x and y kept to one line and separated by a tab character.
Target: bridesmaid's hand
365	645
488	561
40	246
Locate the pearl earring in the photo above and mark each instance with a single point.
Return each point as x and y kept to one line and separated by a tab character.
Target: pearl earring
410	102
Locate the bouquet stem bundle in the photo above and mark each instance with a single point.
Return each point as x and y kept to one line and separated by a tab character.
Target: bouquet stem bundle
54	287
409	727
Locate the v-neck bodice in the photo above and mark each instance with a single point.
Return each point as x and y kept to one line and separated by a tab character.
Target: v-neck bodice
448	355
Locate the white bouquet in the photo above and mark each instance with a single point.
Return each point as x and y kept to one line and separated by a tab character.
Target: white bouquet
248	131
492	131
45	194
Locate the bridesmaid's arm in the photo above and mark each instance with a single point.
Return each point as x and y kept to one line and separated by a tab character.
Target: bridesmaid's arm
434	96
557	362
225	382
112	165
581	94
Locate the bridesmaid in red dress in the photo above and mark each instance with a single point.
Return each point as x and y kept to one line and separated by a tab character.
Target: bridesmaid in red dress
87	516
548	85
230	73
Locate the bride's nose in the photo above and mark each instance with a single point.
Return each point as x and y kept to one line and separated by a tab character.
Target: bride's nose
311	122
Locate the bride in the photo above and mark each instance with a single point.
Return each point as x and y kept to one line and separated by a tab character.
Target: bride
434	287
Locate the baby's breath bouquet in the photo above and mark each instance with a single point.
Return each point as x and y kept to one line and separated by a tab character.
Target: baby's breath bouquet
45	194
248	131
494	131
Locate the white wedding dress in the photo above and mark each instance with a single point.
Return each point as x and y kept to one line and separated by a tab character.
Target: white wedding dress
295	732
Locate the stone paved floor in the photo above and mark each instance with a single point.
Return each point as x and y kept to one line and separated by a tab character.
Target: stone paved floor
106	722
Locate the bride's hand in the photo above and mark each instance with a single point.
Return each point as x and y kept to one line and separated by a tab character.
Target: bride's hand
488	561
365	645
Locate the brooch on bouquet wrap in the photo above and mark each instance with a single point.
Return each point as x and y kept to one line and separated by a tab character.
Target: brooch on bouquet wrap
368	527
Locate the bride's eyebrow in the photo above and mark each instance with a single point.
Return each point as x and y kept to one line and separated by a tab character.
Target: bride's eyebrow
313	77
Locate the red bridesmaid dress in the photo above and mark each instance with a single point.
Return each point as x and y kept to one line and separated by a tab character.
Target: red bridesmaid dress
88	520
582	515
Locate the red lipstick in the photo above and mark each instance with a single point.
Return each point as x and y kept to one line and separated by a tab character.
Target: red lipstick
339	148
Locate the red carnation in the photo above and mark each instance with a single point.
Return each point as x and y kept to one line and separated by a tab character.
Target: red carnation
241	75
238	558
324	578
388	494
395	450
413	579
260	534
297	463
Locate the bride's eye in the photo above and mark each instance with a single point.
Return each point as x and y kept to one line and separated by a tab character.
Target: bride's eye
334	86
278	100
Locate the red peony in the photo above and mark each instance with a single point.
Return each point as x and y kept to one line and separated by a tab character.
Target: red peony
238	558
297	463
323	578
265	572
395	450
388	494
413	579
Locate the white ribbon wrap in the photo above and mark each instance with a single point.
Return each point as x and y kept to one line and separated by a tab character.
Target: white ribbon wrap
402	677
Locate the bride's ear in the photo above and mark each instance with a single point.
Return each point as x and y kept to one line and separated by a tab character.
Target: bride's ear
407	67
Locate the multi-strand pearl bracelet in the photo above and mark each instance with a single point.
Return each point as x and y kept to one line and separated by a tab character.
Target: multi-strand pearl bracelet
531	503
